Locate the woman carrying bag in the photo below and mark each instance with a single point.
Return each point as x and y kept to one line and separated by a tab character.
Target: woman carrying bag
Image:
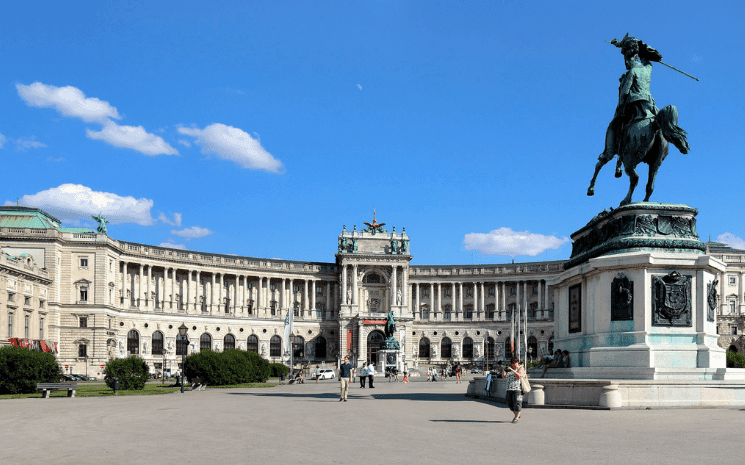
516	378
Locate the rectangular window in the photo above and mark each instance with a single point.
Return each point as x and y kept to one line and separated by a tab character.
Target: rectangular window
11	297
26	326
10	325
447	291
83	321
732	306
82	350
319	290
27	301
319	313
425	291
734	330
296	288
84	262
41	328
491	291
84	293
469	291
41	304
731	280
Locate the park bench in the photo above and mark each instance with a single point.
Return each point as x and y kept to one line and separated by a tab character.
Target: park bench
46	388
197	384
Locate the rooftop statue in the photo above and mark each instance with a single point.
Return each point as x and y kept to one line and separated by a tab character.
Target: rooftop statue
102	221
639	132
374	227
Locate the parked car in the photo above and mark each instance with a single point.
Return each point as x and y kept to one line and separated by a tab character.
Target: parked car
324	374
66	377
476	370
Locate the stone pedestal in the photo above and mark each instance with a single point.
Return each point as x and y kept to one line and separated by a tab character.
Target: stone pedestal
639	292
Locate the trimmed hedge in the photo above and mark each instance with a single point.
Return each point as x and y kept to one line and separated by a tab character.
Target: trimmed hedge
132	372
279	369
21	369
231	366
735	360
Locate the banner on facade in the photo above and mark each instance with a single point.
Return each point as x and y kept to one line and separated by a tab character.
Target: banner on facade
374	322
39	345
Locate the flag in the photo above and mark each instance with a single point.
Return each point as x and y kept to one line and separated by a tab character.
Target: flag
288	330
512	334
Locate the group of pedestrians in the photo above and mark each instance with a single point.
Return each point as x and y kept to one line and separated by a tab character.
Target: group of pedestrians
560	359
367	372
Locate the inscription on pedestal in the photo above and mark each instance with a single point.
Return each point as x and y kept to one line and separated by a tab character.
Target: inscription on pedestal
575	308
671	300
622	299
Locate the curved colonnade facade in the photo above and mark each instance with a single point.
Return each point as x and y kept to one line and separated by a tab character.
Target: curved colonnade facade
105	298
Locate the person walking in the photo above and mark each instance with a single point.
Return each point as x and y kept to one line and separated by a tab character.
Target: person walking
371	375
406	377
457	374
363	375
345	376
514	389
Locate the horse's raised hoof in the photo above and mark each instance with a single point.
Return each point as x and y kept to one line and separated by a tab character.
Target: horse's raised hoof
619	171
590	191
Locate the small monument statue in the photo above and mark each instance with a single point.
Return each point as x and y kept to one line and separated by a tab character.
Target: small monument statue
390	342
639	132
102	221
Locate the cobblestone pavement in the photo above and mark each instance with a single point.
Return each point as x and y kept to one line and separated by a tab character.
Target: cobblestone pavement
395	423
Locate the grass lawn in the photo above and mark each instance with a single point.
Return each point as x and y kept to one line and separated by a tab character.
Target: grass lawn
98	390
246	385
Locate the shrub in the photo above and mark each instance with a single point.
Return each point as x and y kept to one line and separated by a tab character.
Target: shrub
132	372
279	369
735	360
229	367
21	369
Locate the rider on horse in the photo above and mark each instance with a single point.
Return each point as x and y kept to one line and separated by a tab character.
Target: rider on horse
635	101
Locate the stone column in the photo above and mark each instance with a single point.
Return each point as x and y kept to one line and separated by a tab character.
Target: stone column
328	298
503	299
124	302
139	285
394	281
496	302
189	293
432	302
454	302
259	297
540	296
476	310
417	309
313	299
525	295
212	293
173	286
404	287
360	342
439	301
306	298
149	288
739	293
343	285
482	315
460	301
198	292
355	297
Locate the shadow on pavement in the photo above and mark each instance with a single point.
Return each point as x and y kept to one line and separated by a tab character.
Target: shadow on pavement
329	395
468	421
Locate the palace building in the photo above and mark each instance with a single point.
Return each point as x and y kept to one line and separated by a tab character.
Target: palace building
97	298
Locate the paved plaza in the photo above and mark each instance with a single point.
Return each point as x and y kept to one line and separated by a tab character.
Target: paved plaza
411	423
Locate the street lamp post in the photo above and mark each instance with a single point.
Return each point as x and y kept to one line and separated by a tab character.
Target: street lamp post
163	368
182	330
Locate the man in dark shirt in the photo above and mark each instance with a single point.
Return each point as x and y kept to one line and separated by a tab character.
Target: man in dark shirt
345	376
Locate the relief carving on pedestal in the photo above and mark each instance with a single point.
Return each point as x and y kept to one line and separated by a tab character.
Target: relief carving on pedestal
622	299
711	299
671	300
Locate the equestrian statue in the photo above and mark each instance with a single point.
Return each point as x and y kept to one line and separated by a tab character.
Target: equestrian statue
639	132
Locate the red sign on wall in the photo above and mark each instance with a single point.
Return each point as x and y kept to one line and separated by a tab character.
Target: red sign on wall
349	339
374	322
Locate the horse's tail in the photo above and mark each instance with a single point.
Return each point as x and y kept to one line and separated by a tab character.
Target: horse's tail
667	121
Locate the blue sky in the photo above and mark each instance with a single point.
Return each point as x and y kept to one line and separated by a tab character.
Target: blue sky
260	129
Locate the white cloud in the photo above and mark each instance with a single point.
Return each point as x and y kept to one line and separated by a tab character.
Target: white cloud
132	137
184	142
172	246
56	160
194	232
505	241
176	221
25	143
235	145
71	202
3	139
359	86
68	100
731	240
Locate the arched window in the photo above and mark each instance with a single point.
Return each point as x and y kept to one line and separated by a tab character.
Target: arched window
490	348
298	347
320	347
252	343
732	348
229	342
424	348
468	348
182	343
133	342
372	278
532	348
157	343
446	348
275	346
507	350
205	342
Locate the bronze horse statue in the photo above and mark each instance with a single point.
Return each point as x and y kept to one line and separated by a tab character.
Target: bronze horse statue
639	132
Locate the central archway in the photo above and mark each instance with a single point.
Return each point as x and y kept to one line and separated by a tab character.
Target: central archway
374	341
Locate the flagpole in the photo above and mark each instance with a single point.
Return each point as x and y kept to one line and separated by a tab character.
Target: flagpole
525	335
512	336
517	333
